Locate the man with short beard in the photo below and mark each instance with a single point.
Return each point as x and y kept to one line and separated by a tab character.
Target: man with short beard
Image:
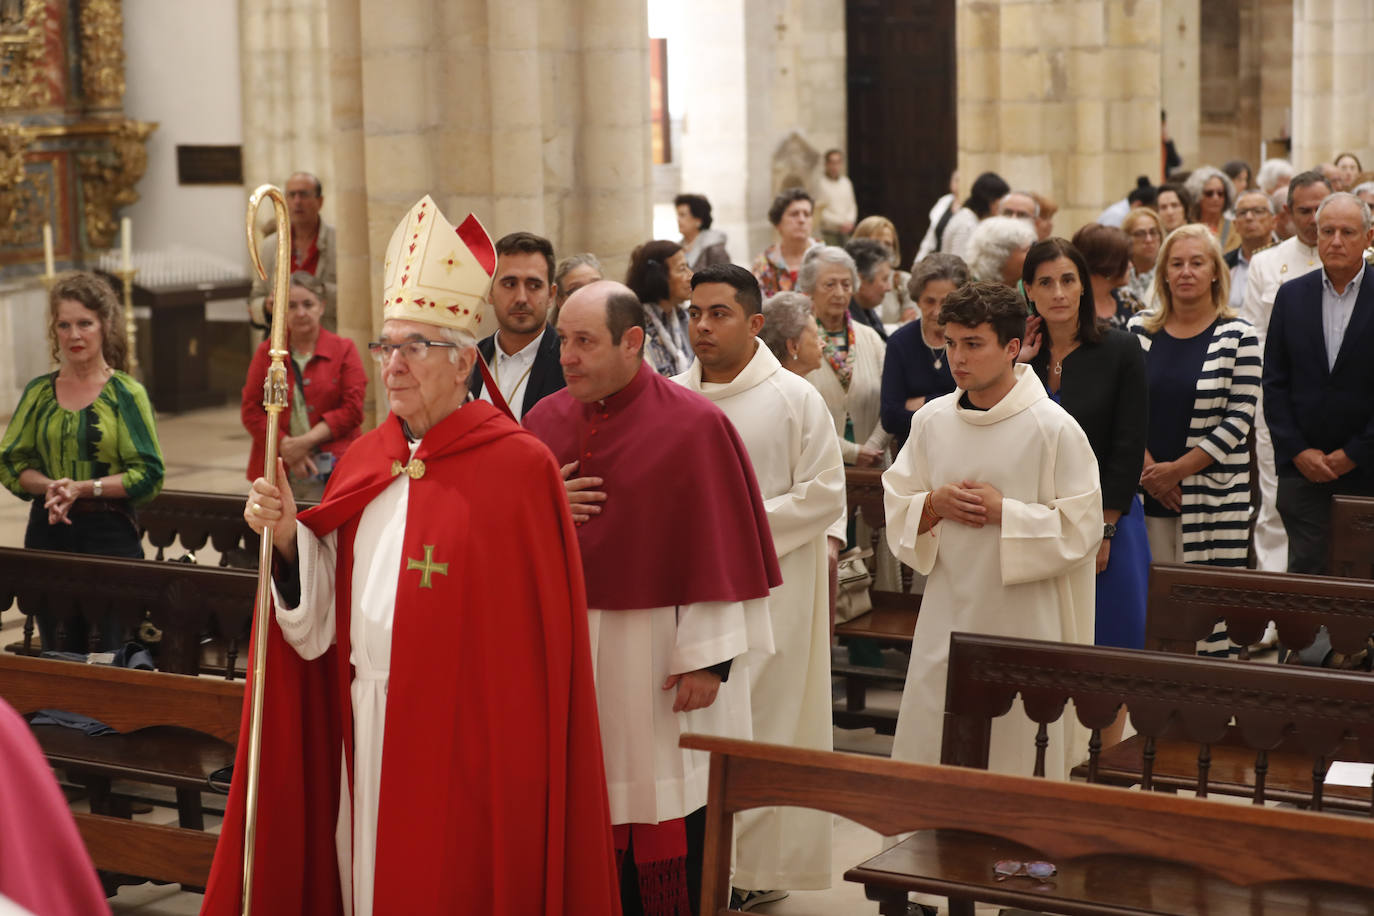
522	355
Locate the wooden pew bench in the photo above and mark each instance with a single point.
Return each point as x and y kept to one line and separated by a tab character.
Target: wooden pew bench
191	520
1352	536
159	716
1290	723
1117	851
890	624
185	602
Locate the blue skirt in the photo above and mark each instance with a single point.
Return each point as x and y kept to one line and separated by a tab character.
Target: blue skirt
1122	586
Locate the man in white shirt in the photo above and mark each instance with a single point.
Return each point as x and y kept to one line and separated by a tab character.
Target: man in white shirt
835	203
1269	269
522	355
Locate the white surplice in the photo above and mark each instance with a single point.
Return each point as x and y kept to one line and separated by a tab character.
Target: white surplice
309	629
791	441
1030	577
649	779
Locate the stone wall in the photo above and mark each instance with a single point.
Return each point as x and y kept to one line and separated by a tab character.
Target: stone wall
1060	97
1333	80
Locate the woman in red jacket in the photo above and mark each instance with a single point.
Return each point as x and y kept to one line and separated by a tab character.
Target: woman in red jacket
318	427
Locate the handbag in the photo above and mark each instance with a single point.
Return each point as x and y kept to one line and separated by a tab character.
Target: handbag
851	597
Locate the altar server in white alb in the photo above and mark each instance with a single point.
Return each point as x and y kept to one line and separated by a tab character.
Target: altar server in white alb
791	442
996	498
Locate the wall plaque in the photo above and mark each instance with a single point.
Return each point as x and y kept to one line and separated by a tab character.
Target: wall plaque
210	165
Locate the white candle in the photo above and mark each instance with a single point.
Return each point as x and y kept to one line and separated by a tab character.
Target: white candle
126	238
47	248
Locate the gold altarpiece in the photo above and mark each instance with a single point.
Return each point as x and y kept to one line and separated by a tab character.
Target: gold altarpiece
68	154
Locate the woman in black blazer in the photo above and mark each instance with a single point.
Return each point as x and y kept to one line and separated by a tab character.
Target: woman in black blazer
1097	374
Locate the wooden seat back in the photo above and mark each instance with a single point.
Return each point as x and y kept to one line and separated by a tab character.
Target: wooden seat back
1239	844
1185	601
863	489
184	601
127	701
1352	536
1277	709
194	519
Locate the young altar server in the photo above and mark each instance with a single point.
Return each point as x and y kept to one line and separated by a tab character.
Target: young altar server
791	441
996	498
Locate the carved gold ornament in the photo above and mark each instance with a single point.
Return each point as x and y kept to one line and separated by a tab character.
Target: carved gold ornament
22	46
102	53
108	178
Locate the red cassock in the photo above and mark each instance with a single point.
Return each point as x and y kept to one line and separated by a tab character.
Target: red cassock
493	795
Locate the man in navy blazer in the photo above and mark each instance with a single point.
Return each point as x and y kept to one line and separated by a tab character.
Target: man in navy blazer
522	355
1319	382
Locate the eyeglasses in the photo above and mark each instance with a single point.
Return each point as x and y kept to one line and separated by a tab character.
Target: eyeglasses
411	351
1256	212
1214	192
1010	868
1145	234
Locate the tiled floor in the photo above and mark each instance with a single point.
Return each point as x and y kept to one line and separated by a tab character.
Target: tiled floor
207	450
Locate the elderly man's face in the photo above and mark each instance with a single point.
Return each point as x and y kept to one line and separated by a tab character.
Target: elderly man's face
423	390
302	202
834	163
594	366
1342	237
1254	222
1017	206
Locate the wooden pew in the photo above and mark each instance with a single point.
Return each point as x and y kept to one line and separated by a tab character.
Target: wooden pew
1185	601
159	705
1117	852
1352	536
1290	722
891	622
184	601
194	519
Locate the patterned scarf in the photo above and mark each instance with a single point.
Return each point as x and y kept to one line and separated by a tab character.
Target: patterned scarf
840	359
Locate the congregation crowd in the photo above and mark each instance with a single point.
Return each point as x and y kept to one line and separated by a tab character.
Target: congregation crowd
1053	412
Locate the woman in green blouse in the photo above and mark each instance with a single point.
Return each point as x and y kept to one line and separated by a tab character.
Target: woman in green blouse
82	443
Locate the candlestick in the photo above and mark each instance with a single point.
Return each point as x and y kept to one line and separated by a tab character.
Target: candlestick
126	227
130	329
47	250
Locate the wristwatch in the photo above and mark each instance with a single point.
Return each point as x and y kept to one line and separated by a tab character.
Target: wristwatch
1108	531
96	487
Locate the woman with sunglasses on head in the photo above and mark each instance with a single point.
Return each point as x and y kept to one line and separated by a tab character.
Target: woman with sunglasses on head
1214	203
324	411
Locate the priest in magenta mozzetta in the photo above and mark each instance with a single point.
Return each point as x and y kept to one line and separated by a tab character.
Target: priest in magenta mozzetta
430	739
679	561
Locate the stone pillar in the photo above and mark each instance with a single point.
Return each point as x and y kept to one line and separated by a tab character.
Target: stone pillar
532	114
1333	80
1276	72
1181	76
1061	98
760	71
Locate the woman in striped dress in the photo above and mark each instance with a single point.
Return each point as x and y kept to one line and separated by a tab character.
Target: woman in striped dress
82	444
1203	369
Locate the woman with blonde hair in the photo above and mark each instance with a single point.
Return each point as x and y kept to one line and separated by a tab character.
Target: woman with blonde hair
897	307
1203	369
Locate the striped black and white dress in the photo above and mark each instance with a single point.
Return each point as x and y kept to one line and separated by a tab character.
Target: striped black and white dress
1216	502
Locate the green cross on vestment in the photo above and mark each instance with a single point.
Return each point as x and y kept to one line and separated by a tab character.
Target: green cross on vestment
427	567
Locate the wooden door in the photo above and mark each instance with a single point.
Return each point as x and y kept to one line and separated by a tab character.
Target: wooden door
902	117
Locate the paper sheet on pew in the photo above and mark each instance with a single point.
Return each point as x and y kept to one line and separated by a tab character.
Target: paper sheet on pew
1345	773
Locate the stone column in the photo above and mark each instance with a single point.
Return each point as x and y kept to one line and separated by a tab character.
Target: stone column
532	114
1061	98
1276	71
760	72
1333	80
1181	75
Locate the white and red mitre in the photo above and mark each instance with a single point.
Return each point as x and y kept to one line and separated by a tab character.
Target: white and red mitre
436	273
